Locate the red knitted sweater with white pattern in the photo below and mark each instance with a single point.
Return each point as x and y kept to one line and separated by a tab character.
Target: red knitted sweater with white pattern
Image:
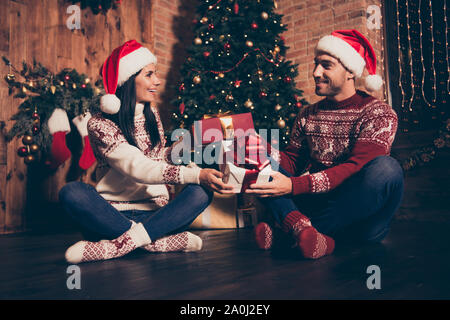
334	140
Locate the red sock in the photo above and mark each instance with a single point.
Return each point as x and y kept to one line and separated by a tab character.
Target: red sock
311	242
314	244
87	158
59	151
263	236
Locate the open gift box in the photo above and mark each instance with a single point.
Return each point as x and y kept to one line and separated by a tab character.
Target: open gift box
240	167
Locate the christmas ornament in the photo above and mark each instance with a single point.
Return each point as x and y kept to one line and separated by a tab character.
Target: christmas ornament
29	159
287	79
277	49
210	26
281	123
221	75
237	83
27	139
278	107
249	44
206	54
181	88
22	151
204	20
10	77
34	148
198	41
181	108
236	8
248	103
263	94
197	79
229	98
254	25
264	15
298	104
227	46
35	129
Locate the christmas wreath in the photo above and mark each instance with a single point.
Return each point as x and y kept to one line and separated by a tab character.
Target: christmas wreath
42	119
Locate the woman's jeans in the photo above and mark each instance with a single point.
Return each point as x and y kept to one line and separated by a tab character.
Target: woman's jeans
360	209
100	220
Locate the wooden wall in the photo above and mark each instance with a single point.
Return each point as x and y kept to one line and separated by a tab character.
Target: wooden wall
36	29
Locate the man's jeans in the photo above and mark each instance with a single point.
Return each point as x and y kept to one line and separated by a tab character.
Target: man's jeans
100	220
360	209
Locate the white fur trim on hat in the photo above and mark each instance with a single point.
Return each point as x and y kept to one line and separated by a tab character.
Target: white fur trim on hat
133	62
109	103
341	50
58	121
373	82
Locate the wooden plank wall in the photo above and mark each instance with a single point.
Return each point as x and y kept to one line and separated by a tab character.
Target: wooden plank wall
37	29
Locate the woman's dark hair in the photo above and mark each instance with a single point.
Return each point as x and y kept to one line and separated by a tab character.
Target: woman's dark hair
125	117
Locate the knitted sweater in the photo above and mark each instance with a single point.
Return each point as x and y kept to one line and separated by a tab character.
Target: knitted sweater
134	177
332	141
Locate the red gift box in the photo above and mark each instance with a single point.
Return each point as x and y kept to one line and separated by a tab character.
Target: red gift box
213	129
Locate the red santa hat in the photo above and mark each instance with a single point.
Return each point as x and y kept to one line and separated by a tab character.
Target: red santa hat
355	52
123	62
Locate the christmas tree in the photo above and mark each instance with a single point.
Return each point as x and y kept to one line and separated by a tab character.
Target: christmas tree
237	63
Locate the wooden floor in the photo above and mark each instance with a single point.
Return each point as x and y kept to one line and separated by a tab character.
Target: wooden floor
414	261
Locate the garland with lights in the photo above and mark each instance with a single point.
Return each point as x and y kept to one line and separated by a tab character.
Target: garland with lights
98	6
42	92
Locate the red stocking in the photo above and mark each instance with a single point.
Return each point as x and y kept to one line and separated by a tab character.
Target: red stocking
59	126
87	158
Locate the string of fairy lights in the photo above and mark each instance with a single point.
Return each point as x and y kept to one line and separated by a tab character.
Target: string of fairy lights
420	48
446	44
413	86
421	56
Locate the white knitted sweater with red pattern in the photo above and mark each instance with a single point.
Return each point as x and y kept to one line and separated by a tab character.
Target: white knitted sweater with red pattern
132	177
333	141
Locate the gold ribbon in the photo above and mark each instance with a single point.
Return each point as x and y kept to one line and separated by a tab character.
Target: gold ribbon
226	122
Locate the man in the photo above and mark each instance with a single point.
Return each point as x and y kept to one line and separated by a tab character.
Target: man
336	179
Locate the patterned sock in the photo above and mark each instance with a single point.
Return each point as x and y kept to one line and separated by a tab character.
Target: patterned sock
84	251
185	241
263	235
311	242
314	244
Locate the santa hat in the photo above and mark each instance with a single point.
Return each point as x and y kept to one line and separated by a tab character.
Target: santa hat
355	52
123	62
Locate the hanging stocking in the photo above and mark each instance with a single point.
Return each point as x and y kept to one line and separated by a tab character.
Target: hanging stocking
59	126
87	158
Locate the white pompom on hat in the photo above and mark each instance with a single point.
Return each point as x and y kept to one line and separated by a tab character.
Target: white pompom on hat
355	52
123	62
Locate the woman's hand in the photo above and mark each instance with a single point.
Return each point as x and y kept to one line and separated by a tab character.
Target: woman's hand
212	179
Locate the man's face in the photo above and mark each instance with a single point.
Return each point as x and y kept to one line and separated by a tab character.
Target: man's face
330	75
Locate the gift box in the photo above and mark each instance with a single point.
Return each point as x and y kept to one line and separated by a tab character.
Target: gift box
222	127
223	213
243	164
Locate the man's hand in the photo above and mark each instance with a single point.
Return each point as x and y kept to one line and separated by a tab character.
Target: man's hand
279	186
212	179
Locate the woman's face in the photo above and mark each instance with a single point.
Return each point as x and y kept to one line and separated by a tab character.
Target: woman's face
147	84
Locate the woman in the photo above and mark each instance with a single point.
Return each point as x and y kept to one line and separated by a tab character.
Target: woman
130	206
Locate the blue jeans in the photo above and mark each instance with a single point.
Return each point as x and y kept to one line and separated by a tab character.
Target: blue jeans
100	220
360	209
